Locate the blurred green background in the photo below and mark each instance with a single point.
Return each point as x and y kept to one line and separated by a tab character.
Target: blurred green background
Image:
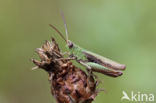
122	30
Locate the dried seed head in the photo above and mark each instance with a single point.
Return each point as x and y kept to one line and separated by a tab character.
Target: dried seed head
69	84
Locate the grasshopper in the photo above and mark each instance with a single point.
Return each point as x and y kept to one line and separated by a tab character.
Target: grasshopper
92	61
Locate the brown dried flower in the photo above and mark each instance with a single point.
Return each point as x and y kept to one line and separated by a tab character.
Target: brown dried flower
69	84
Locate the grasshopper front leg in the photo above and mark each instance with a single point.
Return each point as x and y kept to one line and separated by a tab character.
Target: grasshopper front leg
70	58
65	53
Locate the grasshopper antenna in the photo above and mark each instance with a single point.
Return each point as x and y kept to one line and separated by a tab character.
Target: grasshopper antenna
58	32
65	25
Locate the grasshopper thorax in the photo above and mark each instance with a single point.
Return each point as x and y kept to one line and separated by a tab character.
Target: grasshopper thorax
69	44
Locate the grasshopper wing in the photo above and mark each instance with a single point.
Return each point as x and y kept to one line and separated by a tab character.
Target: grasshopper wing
92	57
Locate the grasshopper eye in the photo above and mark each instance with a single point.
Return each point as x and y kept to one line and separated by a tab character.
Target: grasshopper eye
70	44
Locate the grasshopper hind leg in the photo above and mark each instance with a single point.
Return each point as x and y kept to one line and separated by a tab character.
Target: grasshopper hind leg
89	69
91	76
101	69
85	64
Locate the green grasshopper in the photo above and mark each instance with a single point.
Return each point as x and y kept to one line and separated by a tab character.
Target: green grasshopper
93	62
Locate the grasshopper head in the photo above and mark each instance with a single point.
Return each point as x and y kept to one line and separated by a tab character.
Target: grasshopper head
69	44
